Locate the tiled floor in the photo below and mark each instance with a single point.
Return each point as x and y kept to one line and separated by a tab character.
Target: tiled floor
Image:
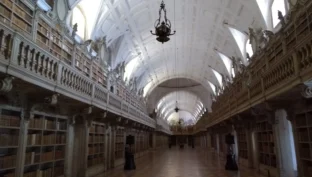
180	163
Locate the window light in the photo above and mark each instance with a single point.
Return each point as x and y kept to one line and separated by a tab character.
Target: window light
278	5
218	76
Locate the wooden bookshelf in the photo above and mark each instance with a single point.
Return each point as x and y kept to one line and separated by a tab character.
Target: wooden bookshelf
96	144
17	15
51	39
83	62
265	142
99	75
242	143
46	145
119	143
10	122
303	124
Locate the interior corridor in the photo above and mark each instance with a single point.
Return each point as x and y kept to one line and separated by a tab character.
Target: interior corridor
180	163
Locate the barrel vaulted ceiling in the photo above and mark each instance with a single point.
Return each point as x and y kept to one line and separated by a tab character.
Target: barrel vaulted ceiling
190	54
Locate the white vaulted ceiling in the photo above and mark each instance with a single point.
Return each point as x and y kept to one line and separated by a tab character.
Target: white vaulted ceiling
189	54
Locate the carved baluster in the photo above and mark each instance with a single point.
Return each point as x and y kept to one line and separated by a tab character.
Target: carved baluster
68	77
28	56
25	55
309	50
34	62
54	70
1	39
45	66
8	46
41	63
77	83
71	80
20	53
62	75
65	76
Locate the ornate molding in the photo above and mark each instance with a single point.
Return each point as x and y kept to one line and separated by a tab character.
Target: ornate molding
307	90
6	84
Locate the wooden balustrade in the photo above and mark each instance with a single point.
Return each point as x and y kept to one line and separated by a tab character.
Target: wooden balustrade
22	57
285	62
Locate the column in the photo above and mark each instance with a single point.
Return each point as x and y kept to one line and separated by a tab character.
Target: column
80	146
284	138
154	140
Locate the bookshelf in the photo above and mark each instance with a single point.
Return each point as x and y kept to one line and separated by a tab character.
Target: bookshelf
242	143
265	142
50	38
46	146
119	143
83	62
96	144
16	14
303	124
10	122
99	75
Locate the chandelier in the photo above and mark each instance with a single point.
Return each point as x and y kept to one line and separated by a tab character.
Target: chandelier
162	29
176	108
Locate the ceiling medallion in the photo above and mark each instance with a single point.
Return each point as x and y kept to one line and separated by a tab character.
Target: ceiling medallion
163	29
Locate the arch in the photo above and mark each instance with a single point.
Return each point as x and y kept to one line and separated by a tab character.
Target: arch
148	91
175	92
78	17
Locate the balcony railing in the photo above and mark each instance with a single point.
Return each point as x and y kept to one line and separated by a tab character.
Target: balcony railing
285	62
21	57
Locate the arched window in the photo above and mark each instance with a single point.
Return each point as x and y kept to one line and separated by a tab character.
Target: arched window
249	48
233	72
278	5
79	18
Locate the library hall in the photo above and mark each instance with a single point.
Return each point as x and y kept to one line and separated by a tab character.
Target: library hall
155	88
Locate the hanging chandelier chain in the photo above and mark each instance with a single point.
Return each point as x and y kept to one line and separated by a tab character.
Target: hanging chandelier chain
162	28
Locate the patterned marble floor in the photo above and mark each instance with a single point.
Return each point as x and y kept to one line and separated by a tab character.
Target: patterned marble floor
180	163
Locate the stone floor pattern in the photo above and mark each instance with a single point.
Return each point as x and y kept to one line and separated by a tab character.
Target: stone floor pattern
180	163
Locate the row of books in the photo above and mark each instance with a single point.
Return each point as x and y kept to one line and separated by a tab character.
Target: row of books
267	149
5	12
21	24
120	139
8	161
265	137
59	154
10	121
8	3
39	173
58	171
9	175
35	139
32	158
305	152
303	135
41	123
22	14
96	139
242	145
95	149
97	129
119	147
48	139
119	154
8	140
95	161
47	156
